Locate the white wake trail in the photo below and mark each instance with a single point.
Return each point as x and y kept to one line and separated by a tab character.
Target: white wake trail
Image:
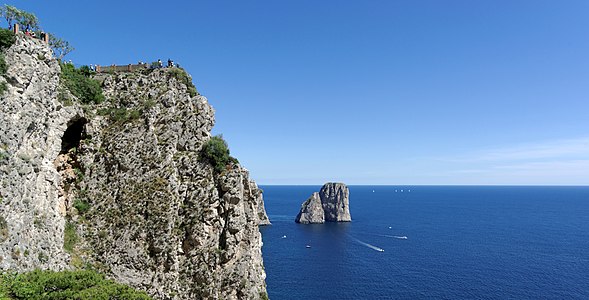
367	245
401	237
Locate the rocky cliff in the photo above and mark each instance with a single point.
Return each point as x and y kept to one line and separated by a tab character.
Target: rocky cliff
331	204
119	186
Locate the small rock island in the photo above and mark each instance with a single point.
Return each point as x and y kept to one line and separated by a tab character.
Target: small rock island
331	204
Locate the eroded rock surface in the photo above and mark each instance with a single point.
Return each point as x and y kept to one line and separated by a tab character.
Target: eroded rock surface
125	191
331	204
311	211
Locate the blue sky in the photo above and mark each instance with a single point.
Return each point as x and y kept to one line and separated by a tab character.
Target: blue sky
367	92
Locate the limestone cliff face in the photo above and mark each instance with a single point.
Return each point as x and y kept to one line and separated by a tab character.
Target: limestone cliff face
121	186
331	204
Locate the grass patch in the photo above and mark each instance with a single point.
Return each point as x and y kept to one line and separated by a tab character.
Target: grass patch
83	284
70	237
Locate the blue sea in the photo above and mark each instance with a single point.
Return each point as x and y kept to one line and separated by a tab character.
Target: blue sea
462	242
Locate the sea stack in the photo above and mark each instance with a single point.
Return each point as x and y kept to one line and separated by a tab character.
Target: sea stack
331	204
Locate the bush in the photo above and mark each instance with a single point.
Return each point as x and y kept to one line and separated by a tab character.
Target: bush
216	152
120	115
3	66
82	206
7	38
84	284
81	85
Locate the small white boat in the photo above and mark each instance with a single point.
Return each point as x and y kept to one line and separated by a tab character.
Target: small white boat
284	236
308	246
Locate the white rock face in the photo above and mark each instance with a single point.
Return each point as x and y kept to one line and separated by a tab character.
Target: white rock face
157	217
311	211
331	204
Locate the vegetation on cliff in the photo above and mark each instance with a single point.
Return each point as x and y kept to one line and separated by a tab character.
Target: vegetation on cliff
85	284
7	38
79	83
216	152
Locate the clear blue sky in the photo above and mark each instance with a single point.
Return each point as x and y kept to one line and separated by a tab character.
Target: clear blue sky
367	92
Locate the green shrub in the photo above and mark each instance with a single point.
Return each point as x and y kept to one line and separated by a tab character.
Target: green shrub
3	66
81	85
216	152
7	38
82	206
183	77
70	237
120	114
83	284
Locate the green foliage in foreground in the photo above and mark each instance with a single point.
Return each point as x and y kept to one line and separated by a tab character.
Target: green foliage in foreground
49	285
216	152
81	85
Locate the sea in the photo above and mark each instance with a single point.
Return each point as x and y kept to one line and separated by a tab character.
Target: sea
432	242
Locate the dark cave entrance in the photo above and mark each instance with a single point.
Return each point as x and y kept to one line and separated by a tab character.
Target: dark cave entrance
74	133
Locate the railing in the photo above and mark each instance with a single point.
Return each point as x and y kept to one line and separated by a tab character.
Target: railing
42	36
124	68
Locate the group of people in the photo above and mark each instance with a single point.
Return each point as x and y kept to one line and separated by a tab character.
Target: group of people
160	64
34	35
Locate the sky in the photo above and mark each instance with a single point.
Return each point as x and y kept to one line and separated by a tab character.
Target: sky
367	92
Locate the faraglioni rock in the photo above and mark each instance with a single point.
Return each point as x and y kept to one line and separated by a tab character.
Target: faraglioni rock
331	204
311	211
119	185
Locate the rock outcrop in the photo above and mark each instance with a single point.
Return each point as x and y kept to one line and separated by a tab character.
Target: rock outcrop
311	211
119	185
331	204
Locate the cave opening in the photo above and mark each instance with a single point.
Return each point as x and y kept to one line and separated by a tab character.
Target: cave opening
74	133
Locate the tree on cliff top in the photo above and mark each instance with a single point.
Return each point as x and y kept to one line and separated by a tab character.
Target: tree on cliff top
28	21
12	15
59	46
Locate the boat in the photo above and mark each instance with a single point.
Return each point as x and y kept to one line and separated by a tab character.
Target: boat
308	246
284	236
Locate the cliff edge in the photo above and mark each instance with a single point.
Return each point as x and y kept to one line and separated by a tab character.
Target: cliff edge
119	186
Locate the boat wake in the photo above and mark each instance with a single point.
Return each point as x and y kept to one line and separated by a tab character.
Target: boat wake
367	245
401	237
